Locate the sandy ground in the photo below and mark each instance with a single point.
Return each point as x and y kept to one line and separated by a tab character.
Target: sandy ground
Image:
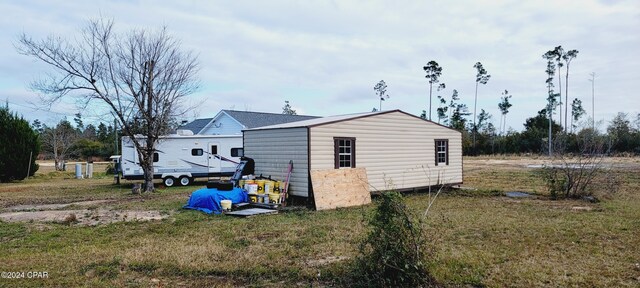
84	217
614	162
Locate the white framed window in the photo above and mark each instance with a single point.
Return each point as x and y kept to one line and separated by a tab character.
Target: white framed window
442	152
344	152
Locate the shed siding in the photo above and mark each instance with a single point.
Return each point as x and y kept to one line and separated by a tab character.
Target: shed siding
397	150
272	150
223	125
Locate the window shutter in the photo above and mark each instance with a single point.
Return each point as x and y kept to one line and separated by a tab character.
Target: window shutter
353	153
336	154
435	144
446	145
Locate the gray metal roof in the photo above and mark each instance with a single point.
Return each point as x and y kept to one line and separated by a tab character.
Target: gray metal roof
248	119
260	119
196	125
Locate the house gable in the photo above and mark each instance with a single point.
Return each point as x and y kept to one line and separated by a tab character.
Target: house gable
223	124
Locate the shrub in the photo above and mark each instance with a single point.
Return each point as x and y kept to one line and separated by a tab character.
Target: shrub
391	253
573	175
18	144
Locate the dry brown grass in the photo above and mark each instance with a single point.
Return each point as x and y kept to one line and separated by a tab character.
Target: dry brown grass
478	239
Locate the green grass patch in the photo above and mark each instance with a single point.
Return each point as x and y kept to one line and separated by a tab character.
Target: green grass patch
476	238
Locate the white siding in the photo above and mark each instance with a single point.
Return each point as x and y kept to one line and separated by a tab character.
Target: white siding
397	150
223	125
272	150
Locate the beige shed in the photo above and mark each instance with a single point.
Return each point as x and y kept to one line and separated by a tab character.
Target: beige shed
399	150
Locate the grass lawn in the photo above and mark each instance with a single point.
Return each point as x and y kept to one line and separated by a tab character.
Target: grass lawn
478	238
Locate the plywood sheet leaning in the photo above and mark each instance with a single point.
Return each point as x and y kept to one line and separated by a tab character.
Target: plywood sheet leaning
334	188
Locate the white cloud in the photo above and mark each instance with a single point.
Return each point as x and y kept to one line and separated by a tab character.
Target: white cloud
325	57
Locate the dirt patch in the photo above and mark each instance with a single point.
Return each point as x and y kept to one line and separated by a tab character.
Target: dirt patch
55	206
581	208
83	217
326	260
480	162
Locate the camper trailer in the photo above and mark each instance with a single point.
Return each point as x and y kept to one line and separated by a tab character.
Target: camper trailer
181	157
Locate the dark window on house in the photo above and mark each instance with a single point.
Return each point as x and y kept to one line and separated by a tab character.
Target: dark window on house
156	157
197	152
442	152
237	152
344	152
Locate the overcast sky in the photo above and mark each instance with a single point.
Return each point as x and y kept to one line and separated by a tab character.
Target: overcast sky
326	56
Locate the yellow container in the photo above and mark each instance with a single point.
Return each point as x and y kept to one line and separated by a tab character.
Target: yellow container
253	198
260	186
274	198
225	204
241	183
268	187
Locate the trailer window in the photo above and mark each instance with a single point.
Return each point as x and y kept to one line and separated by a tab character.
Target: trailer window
214	149
156	157
442	152
344	152
197	152
237	152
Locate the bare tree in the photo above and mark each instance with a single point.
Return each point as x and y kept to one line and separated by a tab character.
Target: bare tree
580	174
141	77
59	140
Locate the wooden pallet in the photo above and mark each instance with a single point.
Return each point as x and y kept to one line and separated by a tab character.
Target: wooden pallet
252	212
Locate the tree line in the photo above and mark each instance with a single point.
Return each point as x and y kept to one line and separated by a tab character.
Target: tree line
64	141
480	136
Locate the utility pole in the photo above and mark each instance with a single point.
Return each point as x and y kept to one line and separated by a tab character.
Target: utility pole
593	100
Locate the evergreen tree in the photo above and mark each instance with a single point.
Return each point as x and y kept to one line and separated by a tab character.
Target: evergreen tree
286	109
19	147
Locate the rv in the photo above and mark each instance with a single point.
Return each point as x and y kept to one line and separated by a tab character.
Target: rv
179	158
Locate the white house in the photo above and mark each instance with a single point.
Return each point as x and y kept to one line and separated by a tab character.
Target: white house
399	150
232	122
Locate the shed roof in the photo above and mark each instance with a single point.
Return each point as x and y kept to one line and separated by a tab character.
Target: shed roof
339	118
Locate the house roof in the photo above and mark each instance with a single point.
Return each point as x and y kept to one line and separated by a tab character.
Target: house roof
196	125
338	118
258	119
247	119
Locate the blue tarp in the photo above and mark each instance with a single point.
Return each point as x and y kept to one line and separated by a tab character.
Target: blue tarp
207	200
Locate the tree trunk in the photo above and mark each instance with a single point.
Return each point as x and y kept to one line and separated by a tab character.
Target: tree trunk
148	176
475	103
430	92
566	97
560	94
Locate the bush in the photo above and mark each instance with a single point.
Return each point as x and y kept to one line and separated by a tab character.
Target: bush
573	175
18	143
391	255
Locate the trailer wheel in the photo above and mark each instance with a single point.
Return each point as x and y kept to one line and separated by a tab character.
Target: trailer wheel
184	180
169	181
